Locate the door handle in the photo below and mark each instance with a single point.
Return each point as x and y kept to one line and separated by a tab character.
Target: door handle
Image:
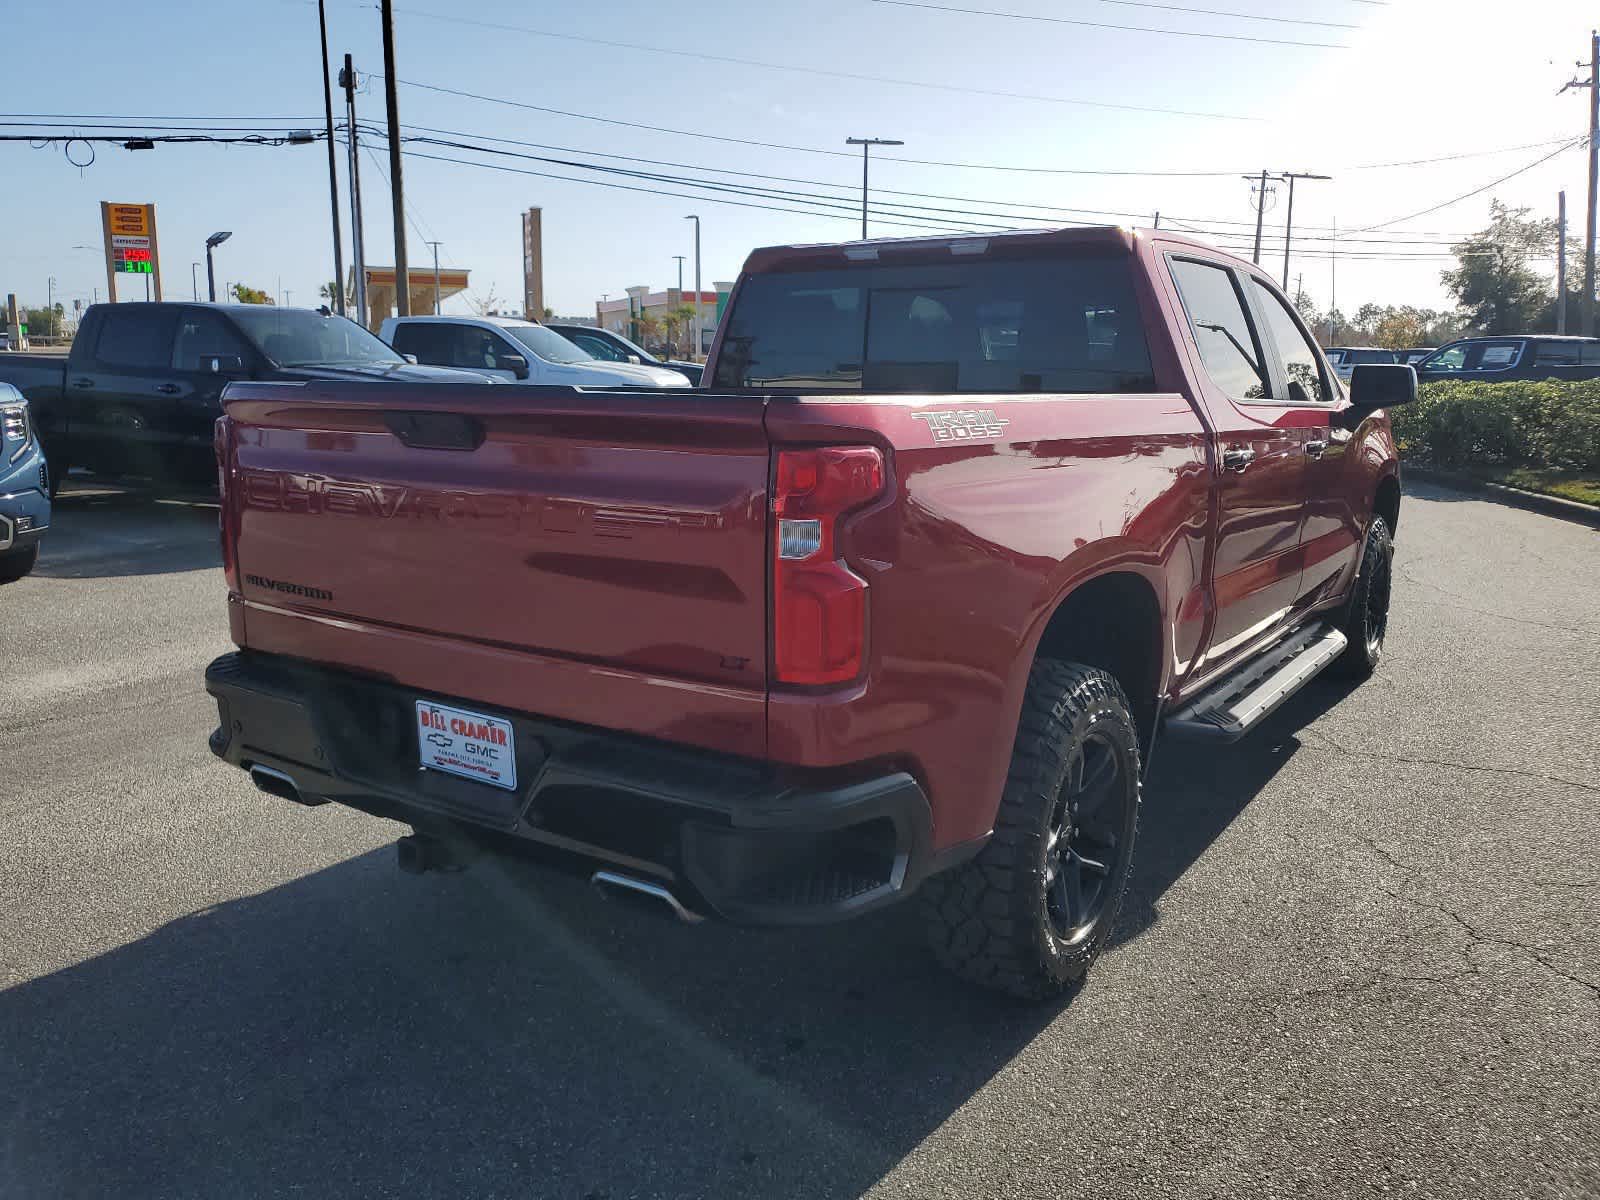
82	382
1237	458
1315	449
168	389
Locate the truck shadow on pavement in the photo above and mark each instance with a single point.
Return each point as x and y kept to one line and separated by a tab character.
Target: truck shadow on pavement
102	530
357	1032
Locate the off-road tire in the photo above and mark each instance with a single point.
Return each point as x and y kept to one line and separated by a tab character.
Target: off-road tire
989	920
1365	619
14	564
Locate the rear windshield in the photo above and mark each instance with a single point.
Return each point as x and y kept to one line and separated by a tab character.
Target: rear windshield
1369	356
1062	325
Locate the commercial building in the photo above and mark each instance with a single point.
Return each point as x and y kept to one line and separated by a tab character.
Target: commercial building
623	314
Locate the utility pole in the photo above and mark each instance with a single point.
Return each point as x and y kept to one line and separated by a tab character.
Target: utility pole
1261	211
333	165
358	244
1157	224
1288	224
402	273
866	145
698	326
1299	289
435	246
1561	261
680	258
194	281
50	305
1333	269
1594	169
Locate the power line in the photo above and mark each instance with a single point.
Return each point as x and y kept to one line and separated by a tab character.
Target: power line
1477	191
452	139
1187	33
1241	16
1423	162
820	71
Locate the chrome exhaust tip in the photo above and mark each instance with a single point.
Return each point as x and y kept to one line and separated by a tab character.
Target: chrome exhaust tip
611	883
276	783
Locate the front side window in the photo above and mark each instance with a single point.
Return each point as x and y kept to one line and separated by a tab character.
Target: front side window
1297	353
1046	325
136	337
596	346
1451	358
547	344
1217	318
202	336
427	341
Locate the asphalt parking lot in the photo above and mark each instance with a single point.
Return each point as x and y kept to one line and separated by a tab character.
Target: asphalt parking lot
1361	957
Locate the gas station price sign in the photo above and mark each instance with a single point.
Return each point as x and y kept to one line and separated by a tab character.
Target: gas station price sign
132	260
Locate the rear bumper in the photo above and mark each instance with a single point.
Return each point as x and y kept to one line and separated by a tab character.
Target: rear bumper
736	838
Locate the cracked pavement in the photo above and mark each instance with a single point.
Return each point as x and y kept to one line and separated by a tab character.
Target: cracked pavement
1360	956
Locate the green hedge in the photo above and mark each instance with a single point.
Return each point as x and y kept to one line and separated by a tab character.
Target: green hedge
1462	423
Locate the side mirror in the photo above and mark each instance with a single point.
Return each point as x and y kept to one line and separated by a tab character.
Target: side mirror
634	359
410	358
1378	385
515	363
225	364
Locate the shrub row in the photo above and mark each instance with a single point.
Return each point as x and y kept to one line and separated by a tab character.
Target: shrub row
1463	423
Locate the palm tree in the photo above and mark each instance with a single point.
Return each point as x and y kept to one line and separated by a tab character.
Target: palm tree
649	326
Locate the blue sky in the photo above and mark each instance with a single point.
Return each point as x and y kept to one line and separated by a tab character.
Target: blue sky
1418	78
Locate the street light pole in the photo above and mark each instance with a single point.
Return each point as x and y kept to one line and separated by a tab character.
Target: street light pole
698	337
866	145
333	164
50	305
680	259
1288	224
435	246
212	242
194	281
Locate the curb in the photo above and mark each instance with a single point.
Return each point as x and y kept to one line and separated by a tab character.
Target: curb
1554	506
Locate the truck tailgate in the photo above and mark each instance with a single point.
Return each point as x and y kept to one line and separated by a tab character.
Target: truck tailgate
590	556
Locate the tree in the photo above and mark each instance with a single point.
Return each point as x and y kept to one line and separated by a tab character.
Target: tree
245	294
43	321
329	291
549	313
1493	282
649	326
487	304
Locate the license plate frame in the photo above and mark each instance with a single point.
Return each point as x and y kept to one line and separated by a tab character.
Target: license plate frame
466	744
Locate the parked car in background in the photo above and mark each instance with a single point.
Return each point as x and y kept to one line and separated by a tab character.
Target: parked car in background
142	385
24	487
608	346
516	351
5	339
1346	358
839	628
1502	359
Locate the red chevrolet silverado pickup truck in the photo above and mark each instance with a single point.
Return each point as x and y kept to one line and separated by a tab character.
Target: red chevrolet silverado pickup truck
900	602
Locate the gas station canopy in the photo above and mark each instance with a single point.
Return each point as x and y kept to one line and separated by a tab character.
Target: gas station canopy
381	291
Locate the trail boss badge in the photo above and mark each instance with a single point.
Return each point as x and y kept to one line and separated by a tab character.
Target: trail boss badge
964	424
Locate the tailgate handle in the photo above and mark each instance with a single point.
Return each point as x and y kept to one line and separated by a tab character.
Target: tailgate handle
435	430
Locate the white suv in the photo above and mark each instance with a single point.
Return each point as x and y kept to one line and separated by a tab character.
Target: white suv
517	351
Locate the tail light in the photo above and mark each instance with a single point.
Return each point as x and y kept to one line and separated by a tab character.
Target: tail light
227	510
819	605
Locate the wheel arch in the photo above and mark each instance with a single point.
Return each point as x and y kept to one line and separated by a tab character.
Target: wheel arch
1386	502
1113	621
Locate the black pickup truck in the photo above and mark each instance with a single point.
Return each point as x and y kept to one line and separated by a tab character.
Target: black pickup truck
142	385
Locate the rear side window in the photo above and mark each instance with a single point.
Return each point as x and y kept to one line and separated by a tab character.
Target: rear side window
136	337
1047	325
202	335
1227	343
1566	354
429	341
